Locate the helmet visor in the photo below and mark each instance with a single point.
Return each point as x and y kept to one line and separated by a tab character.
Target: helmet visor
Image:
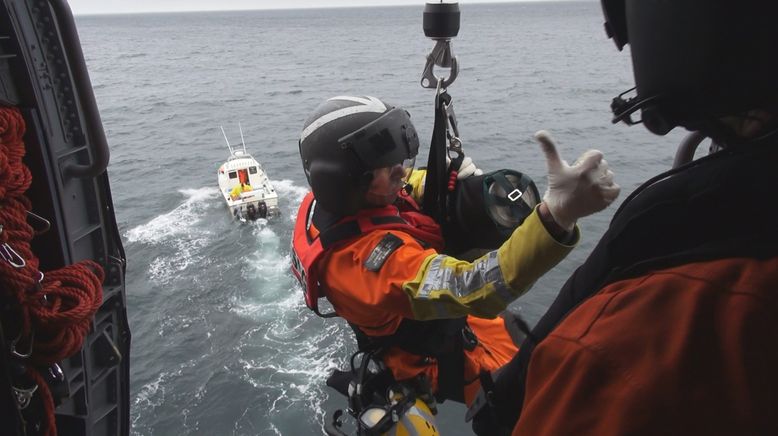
388	181
389	140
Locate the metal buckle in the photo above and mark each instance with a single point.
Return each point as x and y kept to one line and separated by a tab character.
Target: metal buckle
24	396
515	195
469	339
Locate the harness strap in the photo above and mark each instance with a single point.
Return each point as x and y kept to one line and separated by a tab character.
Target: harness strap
444	340
436	180
451	370
350	229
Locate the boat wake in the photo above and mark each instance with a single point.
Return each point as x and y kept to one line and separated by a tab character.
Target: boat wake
223	301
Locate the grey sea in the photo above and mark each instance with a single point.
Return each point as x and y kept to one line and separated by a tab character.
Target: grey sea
222	341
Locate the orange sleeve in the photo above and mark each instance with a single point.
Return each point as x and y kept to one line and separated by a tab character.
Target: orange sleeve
373	300
689	350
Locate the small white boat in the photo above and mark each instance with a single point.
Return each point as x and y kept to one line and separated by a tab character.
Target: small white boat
245	186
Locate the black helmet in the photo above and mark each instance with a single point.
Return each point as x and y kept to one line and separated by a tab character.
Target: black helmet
347	138
696	60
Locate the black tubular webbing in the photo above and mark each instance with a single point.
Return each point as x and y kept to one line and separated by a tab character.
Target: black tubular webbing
436	179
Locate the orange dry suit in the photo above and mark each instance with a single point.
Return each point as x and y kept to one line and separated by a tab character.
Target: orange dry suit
670	326
429	313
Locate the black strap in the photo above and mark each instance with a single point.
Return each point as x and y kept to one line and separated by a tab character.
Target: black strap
350	229
444	340
338	233
451	370
436	179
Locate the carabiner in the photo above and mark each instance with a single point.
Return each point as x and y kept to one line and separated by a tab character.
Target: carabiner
452	130
43	224
29	350
11	256
441	56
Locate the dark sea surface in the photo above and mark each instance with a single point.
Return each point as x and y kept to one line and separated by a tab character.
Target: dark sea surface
222	341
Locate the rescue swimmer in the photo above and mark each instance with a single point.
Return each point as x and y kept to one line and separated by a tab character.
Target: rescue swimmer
361	241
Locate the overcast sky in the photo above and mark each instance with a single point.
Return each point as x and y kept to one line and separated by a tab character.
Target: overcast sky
125	6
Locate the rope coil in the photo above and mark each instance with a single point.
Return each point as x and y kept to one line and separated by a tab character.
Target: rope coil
55	309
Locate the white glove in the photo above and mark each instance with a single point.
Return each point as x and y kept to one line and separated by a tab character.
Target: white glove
579	190
466	169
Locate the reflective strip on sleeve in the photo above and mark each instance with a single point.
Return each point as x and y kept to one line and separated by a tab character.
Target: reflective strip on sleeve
464	280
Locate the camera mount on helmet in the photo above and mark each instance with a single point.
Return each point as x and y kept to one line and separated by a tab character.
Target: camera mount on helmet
623	108
441	24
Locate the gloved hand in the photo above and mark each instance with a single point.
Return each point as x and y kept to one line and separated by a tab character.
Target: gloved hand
579	190
466	169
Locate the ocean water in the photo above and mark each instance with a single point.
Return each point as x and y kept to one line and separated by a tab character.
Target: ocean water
222	341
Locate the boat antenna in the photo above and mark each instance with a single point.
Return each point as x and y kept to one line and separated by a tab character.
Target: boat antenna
226	140
241	138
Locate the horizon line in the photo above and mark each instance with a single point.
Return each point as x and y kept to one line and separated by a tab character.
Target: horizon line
294	8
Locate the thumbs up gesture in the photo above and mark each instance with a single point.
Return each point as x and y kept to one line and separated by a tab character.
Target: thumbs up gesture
577	190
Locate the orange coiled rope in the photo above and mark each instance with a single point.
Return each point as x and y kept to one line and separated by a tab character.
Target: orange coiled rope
55	309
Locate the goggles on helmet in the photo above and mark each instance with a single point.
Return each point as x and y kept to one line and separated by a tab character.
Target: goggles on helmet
389	140
388	181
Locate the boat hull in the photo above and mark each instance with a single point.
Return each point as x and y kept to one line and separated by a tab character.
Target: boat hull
258	199
254	210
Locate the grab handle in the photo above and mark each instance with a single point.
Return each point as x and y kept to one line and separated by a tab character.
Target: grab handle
94	125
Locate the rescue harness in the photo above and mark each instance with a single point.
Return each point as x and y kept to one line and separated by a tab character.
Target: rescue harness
443	339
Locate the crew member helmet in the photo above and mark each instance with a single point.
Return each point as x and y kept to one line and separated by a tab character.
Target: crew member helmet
695	61
344	140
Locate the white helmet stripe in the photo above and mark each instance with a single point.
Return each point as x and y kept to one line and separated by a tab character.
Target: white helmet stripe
369	104
365	100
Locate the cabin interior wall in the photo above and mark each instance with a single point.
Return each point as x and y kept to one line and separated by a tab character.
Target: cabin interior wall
34	76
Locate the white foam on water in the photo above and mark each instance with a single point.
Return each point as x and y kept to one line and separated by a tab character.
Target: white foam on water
287	189
152	395
290	352
295	194
177	222
260	308
148	394
295	372
180	229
